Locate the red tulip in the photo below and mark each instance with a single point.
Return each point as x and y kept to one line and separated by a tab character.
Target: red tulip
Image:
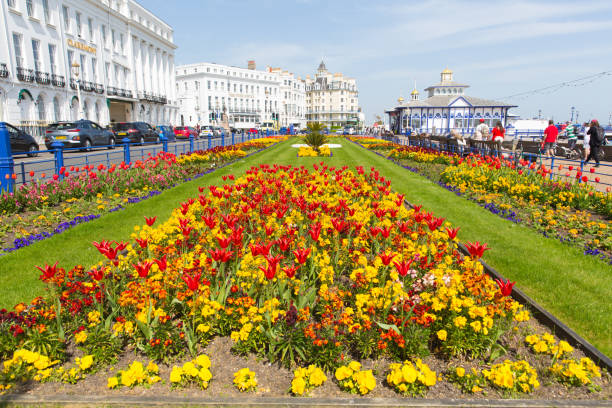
475	249
290	270
143	268
209	220
96	274
386	258
385	232
268	272
31	174
48	272
193	282
315	231
505	287
452	232
592	170
283	243
162	264
221	255
585	179
142	242
301	255
224	242
597	179
273	261
403	267
150	221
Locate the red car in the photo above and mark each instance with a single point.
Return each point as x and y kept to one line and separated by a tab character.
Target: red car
183	132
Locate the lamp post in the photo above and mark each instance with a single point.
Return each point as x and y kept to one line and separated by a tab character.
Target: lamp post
572	119
75	72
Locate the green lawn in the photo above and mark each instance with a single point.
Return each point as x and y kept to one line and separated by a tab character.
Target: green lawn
570	285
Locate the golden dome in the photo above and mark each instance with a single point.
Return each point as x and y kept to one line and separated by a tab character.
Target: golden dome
400	99
447	71
415	92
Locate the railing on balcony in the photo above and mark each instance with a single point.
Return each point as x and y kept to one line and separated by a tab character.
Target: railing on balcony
73	83
99	88
4	73
111	90
58	80
87	86
42	78
25	74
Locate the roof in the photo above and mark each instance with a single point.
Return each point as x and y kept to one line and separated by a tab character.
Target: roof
447	71
447	83
415	92
322	66
446	100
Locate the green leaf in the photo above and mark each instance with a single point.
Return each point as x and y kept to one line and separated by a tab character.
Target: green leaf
388	326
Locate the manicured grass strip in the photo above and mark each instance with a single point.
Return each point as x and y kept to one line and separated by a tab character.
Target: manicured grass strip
570	285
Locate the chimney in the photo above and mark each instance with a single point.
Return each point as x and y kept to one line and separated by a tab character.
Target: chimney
251	64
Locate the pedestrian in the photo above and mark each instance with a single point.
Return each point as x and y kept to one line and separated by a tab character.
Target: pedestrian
548	144
596	139
498	136
571	132
481	133
586	140
460	140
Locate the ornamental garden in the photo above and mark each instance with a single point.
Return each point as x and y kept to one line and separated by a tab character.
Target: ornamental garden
270	270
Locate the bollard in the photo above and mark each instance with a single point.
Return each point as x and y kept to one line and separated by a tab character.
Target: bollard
209	140
190	143
126	150
164	141
58	150
552	166
233	138
222	138
7	164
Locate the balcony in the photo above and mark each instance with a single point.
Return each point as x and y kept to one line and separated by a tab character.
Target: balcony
25	74
87	86
58	80
99	88
42	78
111	91
4	73
73	84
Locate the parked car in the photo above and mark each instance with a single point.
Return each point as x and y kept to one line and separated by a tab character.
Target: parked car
81	133
207	130
137	132
183	132
167	131
21	142
339	132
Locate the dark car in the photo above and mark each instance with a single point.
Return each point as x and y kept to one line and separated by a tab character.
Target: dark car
21	142
183	132
167	131
137	132
81	133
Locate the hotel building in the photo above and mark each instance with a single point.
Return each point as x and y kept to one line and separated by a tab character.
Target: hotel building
115	55
332	99
239	98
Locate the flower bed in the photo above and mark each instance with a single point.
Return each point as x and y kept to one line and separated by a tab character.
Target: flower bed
309	269
39	210
521	192
308	151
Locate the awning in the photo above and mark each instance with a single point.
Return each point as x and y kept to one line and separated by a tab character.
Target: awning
23	93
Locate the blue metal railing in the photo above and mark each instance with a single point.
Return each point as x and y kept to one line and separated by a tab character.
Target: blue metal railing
63	159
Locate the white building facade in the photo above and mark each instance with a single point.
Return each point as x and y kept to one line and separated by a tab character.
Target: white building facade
125	58
239	98
446	107
332	99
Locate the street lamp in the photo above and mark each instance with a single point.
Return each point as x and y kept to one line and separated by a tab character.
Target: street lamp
75	72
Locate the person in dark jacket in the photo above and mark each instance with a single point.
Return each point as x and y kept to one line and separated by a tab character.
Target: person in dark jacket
596	134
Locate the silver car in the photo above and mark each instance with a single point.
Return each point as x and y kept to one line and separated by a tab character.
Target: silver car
81	133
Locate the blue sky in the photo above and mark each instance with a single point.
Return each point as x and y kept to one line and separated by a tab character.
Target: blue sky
499	48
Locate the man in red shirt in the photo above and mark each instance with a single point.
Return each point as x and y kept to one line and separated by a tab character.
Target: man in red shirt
548	144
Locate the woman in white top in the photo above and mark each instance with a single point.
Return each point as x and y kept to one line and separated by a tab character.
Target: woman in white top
585	142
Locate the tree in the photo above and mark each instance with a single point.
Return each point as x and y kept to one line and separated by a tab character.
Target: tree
315	137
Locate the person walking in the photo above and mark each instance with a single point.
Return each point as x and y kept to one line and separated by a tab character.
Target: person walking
586	140
596	139
548	144
571	132
498	136
481	133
